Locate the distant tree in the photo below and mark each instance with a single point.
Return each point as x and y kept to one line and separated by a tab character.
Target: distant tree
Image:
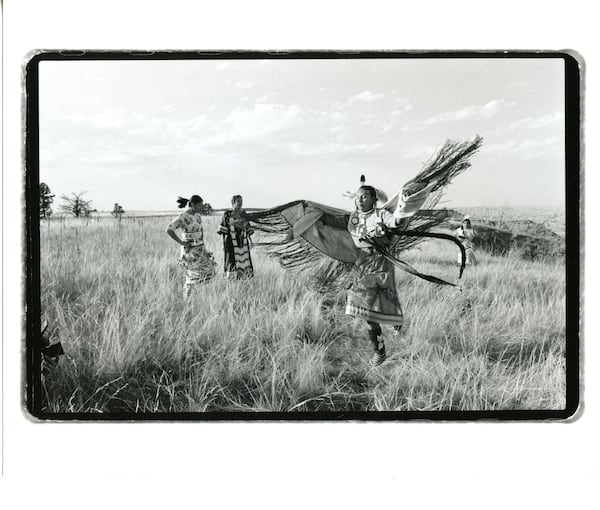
76	205
46	198
206	209
118	211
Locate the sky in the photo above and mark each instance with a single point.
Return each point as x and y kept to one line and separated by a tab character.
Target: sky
142	133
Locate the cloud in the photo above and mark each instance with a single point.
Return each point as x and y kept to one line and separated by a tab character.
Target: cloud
526	148
197	123
251	124
269	98
487	111
398	113
529	144
388	126
518	84
365	97
404	104
332	148
420	151
538	122
337	129
394	118
107	119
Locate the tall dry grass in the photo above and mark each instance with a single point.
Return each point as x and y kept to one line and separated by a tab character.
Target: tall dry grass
112	293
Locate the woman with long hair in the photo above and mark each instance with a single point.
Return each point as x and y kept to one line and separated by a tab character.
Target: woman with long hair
236	232
198	262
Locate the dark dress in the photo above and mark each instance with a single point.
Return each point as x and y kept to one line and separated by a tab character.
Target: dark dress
236	234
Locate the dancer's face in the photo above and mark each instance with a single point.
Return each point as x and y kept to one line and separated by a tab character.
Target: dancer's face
365	201
196	206
237	203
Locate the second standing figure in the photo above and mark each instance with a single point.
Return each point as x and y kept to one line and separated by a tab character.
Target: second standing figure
236	232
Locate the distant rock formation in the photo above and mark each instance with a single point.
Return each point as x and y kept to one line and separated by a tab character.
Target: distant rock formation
530	240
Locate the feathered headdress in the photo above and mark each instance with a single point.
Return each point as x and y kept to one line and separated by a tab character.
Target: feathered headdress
380	194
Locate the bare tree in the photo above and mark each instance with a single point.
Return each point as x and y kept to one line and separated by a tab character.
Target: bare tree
118	211
76	205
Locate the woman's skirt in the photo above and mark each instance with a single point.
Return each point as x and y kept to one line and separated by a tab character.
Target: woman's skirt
199	265
373	296
237	260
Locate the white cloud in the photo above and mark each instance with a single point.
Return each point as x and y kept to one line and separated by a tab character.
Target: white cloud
518	84
538	122
269	98
397	113
108	119
387	127
487	111
252	124
332	148
393	122
527	148
420	151
197	123
337	129
365	97
363	148
532	144
404	104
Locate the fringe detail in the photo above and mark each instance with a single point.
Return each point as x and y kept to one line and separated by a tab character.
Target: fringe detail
274	232
422	221
271	224
448	162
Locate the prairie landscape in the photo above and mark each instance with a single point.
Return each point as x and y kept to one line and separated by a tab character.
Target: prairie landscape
111	293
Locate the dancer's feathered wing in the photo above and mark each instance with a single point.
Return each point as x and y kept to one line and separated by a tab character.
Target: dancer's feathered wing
310	236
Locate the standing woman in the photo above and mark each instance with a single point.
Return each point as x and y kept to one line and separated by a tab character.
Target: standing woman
465	235
198	263
236	232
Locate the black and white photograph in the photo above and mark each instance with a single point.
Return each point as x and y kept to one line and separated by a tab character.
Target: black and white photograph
302	235
439	352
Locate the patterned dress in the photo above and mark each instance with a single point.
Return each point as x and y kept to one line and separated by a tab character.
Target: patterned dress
236	234
198	263
373	296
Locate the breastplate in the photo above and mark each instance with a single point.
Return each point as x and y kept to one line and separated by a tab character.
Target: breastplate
361	225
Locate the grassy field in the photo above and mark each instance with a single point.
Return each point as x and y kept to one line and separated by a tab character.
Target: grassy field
112	294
